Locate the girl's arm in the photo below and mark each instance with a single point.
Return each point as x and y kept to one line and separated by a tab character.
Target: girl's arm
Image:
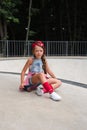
49	71
26	66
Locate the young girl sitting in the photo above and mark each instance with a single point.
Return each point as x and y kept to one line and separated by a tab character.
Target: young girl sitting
38	70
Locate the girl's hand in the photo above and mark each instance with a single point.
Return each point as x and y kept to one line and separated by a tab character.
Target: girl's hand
21	87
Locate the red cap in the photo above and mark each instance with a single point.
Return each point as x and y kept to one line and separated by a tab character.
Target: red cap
38	43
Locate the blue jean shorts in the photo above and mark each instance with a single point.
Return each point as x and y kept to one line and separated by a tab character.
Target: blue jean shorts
31	86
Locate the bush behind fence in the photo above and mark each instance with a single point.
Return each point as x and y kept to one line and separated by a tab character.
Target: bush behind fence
11	48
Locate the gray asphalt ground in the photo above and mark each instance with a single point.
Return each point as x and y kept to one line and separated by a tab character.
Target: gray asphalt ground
27	111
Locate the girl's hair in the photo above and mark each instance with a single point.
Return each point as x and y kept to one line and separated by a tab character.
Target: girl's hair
44	63
41	44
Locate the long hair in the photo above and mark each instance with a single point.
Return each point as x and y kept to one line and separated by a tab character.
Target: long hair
44	63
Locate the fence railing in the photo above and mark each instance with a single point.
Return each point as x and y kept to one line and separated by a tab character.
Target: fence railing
11	48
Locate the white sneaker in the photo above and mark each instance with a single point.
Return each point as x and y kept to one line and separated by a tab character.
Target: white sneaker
40	86
39	91
55	96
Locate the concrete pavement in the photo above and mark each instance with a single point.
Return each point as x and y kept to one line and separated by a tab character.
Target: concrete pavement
27	111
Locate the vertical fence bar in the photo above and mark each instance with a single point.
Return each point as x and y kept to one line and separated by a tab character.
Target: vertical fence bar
28	48
7	48
66	48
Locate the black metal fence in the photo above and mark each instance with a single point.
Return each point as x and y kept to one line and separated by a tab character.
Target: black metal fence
11	48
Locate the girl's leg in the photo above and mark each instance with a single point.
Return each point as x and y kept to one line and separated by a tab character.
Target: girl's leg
38	78
54	82
41	78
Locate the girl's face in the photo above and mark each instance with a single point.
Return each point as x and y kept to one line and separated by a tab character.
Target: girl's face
38	52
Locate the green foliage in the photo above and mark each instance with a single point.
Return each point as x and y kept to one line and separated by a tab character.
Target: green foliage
8	10
35	11
32	33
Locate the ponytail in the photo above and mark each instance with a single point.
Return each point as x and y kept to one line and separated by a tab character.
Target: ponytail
44	64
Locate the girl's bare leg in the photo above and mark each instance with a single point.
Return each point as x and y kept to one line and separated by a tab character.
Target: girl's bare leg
47	85
39	78
54	82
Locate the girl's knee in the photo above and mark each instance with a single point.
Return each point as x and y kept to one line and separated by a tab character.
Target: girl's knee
59	83
41	75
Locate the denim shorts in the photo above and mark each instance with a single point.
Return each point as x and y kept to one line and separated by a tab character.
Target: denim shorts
30	86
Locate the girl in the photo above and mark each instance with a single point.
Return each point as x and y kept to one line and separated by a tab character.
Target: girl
38	70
